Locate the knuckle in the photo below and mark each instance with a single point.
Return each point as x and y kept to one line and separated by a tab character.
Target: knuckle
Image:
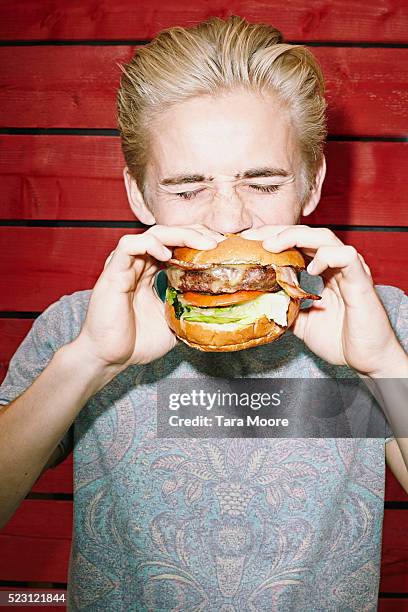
123	242
320	254
328	233
365	265
152	239
108	259
363	261
197	226
351	251
152	242
153	229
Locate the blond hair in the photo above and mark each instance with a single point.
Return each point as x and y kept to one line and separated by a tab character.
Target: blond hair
214	57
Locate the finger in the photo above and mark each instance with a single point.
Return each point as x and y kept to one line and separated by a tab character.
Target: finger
299	325
154	242
264	232
206	231
131	246
183	236
344	258
365	266
108	259
301	236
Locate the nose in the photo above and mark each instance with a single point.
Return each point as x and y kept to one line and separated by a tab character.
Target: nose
229	214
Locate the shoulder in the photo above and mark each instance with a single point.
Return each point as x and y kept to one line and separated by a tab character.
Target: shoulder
393	299
395	302
58	325
62	320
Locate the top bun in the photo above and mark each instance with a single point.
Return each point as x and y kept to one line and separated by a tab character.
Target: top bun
238	250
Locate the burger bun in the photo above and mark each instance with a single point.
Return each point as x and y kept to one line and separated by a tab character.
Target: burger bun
222	338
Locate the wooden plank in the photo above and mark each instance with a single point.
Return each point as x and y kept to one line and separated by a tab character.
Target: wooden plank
63	177
364	185
12	332
56	480
384	252
70	259
394	568
46	518
35	543
392	605
393	489
369	79
68	87
76	87
66	260
75	177
31	559
315	20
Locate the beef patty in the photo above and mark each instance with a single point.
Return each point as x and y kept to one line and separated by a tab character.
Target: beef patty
224	279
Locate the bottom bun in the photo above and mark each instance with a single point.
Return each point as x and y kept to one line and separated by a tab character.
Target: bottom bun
220	338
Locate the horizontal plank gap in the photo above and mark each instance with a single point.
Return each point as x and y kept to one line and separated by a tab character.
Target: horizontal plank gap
393	595
396	505
34	585
19	314
69	223
345	138
19	131
59	131
367	228
52	496
345	43
139	225
79	42
127	42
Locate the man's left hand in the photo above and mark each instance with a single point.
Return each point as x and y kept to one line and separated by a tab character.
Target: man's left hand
349	325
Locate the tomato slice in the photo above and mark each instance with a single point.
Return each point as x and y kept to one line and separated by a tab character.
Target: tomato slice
203	300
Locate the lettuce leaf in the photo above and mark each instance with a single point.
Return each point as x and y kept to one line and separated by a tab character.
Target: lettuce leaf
172	298
273	305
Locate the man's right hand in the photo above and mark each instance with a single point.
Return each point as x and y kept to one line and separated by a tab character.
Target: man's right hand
125	321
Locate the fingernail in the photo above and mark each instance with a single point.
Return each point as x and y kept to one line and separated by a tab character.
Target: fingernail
311	267
270	242
208	242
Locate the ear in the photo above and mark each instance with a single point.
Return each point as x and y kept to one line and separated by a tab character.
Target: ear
315	193
136	199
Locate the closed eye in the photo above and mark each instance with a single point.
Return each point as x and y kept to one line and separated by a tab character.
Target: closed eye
265	188
188	195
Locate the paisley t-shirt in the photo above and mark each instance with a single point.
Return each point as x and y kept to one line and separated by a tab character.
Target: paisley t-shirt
229	525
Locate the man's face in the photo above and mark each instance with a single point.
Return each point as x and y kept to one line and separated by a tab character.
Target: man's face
206	155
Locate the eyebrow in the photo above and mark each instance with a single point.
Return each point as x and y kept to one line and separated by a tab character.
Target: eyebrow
199	178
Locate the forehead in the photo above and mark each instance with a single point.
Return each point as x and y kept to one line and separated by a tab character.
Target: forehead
223	134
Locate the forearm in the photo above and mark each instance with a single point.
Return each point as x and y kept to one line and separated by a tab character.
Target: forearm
390	388
32	425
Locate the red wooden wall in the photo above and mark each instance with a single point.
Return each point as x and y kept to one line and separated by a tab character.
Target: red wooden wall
63	206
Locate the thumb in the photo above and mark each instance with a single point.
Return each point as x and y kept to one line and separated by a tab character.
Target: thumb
299	325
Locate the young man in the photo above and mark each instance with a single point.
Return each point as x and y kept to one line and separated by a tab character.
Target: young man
222	129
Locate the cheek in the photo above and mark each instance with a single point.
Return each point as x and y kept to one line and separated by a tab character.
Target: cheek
284	210
177	215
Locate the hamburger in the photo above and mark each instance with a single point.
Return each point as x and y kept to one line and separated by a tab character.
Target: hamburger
233	297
